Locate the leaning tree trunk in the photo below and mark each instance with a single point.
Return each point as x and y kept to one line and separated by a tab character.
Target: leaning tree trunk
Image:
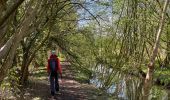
10	11
27	59
149	76
7	52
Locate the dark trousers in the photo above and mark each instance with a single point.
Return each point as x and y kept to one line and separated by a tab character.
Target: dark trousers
54	85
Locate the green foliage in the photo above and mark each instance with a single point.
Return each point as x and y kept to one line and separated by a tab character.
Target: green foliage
163	75
10	84
157	93
123	44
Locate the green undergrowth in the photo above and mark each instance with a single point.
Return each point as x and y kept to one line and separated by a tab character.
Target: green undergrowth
38	74
82	77
97	93
163	75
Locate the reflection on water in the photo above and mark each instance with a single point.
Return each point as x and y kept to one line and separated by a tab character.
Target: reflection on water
126	87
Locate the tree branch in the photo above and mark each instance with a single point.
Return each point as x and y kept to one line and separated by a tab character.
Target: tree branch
10	11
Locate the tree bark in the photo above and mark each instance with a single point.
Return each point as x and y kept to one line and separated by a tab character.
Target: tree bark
27	59
3	30
10	47
149	76
10	11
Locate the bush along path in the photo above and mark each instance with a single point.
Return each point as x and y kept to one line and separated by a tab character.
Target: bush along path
70	89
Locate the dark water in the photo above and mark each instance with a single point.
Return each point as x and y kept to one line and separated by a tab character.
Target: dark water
125	87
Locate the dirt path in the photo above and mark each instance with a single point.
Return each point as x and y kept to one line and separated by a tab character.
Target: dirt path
69	88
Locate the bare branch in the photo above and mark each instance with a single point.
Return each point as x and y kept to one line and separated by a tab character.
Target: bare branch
87	11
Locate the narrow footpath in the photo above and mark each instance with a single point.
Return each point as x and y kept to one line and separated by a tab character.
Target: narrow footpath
70	89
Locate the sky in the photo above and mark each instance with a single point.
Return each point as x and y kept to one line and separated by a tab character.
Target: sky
97	9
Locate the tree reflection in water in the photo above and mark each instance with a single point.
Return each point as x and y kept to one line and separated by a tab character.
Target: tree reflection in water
126	87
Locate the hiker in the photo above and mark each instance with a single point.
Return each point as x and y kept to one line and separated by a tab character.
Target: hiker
53	69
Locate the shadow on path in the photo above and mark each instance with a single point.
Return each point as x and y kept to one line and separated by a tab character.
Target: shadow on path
70	89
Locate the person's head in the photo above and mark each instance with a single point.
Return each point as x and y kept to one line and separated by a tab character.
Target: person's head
53	52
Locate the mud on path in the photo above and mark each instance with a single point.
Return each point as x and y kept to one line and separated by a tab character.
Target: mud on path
70	89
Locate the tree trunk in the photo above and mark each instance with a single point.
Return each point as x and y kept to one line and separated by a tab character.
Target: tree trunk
3	30
149	76
27	59
9	59
10	11
25	73
10	47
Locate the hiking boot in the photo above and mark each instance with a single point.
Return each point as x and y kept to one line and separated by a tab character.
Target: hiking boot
57	93
52	98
